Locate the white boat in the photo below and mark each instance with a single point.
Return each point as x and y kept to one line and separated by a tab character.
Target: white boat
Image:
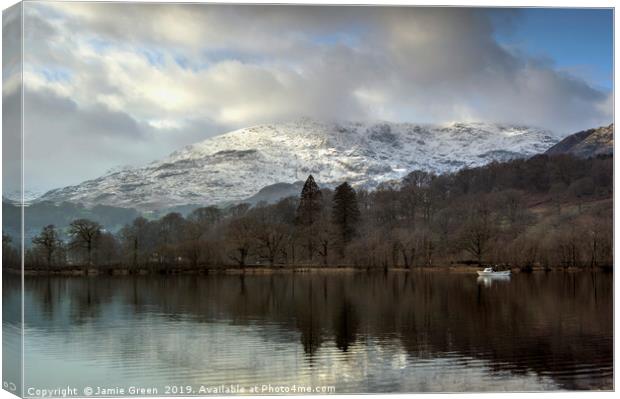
488	271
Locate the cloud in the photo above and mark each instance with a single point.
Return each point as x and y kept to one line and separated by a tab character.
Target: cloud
63	142
11	100
160	75
67	144
62	114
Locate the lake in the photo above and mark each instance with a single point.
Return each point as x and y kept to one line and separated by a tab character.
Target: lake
343	332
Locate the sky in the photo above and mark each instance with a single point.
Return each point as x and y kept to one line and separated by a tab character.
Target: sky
115	84
580	42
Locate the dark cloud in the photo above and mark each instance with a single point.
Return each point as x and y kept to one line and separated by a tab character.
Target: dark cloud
139	79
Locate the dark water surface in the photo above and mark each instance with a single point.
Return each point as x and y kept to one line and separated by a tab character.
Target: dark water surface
356	331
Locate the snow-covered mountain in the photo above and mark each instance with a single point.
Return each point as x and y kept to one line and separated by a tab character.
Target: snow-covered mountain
236	165
15	197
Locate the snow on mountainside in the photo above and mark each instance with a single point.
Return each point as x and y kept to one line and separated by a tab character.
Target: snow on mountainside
15	197
238	164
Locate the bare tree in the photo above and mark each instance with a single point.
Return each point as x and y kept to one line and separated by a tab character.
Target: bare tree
84	234
240	237
324	234
270	239
405	243
133	237
48	242
478	231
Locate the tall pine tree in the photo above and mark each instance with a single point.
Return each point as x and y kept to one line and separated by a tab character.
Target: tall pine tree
309	208
345	214
308	214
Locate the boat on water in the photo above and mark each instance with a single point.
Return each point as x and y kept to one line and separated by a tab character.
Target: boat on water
488	271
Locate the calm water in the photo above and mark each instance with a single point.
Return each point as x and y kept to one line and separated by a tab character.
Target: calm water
358	332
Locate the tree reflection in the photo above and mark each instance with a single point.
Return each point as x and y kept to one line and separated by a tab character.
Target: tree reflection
345	325
548	323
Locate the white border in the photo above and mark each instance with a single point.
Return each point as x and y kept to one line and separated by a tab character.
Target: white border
472	3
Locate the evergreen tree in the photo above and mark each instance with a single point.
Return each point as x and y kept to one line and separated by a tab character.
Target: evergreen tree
309	209
308	214
345	213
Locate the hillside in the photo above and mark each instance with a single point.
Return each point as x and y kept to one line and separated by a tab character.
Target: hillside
587	143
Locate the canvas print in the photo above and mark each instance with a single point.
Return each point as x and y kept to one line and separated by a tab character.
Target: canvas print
227	199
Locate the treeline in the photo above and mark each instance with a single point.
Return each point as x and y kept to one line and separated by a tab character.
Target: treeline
46	213
544	211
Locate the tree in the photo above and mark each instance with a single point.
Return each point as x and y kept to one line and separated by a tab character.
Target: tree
199	223
309	207
240	236
478	232
107	249
414	247
48	242
513	204
417	191
10	255
270	238
289	247
418	179
133	237
405	244
386	206
592	233
308	213
558	193
170	236
84	234
206	217
582	188
324	234
345	214
409	200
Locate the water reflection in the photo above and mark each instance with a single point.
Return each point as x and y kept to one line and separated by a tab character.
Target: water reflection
488	281
360	332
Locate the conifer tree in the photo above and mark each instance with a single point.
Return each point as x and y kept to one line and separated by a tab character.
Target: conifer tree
345	213
308	214
309	208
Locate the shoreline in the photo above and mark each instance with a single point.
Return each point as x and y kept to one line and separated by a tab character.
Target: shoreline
111	271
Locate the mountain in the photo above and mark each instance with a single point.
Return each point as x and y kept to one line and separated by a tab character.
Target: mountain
274	192
15	197
587	143
236	165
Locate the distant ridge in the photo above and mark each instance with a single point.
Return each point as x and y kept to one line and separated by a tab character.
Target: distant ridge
587	143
